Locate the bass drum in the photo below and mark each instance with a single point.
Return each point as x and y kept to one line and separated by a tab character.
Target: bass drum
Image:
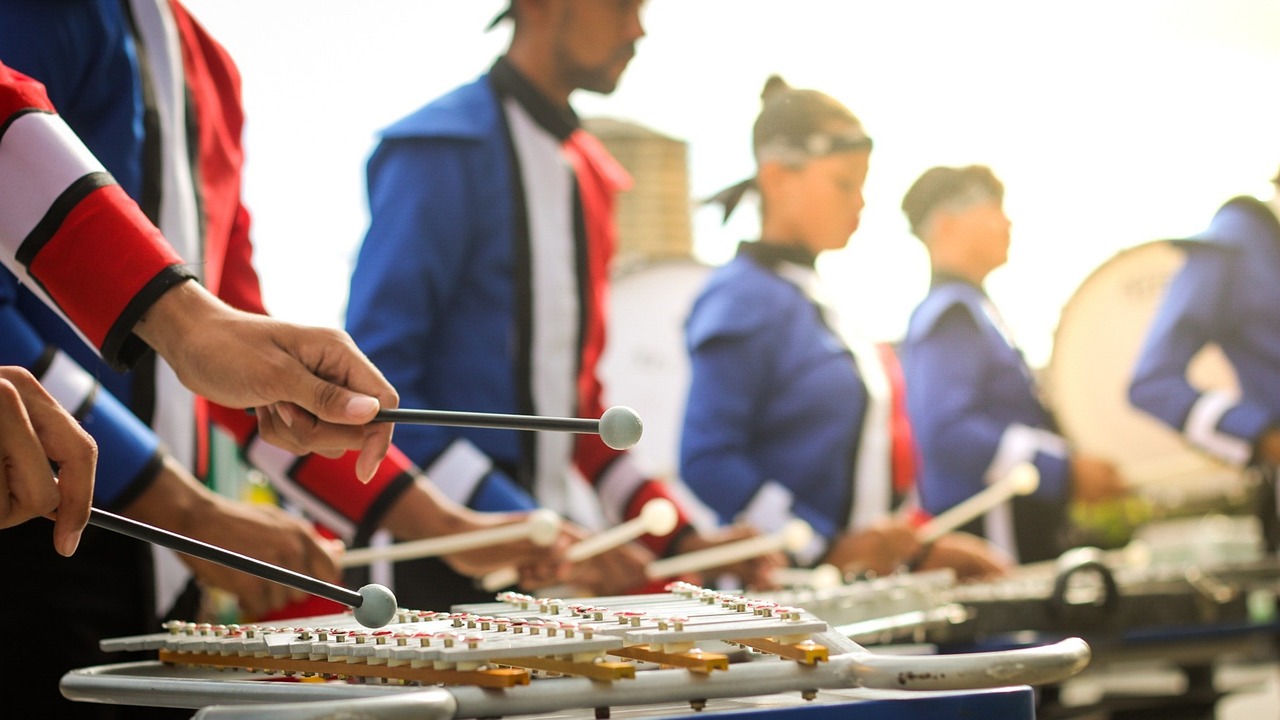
1100	333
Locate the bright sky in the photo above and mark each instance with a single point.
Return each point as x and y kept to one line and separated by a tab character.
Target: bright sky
1112	122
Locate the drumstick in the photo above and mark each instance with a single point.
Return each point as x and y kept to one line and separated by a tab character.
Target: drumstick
541	528
619	427
373	606
1023	479
658	517
791	538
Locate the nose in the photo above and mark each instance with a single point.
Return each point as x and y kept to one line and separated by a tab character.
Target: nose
635	29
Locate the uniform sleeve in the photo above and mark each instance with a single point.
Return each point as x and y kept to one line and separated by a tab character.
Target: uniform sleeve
954	426
725	377
128	451
408	264
69	232
1189	318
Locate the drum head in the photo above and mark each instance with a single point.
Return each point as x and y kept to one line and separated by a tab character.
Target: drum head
645	365
1099	336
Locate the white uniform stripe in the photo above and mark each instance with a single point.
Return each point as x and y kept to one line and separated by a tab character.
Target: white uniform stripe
40	157
1019	444
1202	427
459	469
67	382
548	182
178	212
276	463
997	526
174	418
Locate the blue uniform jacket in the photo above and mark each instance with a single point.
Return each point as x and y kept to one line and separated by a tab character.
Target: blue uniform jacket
1226	293
775	404
976	414
441	232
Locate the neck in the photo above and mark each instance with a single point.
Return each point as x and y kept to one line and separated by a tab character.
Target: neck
973	275
538	68
953	258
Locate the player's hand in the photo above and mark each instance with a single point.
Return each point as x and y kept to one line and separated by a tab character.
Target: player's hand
177	502
313	389
34	430
1094	480
754	573
971	557
617	571
880	549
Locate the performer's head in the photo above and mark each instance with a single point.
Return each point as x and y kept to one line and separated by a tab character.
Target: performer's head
958	212
567	45
812	156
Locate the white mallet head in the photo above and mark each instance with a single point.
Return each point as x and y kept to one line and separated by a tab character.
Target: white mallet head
1024	479
826	576
796	534
620	427
659	517
377	606
544	527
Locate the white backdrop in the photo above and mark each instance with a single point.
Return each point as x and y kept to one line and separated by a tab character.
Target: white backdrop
1112	122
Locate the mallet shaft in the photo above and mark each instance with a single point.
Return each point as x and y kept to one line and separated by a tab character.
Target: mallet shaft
493	420
233	560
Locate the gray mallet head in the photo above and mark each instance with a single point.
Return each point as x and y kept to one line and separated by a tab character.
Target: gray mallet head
620	427
377	607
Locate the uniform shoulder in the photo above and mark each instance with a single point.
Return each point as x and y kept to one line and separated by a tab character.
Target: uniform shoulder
468	111
740	298
942	301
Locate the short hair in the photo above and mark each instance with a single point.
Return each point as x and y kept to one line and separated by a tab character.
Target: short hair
797	124
940	186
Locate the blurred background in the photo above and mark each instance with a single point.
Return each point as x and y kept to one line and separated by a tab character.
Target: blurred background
1112	123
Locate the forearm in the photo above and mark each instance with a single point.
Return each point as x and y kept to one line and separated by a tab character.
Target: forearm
422	511
174	500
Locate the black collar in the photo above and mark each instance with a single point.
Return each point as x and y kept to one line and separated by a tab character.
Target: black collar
508	82
770	255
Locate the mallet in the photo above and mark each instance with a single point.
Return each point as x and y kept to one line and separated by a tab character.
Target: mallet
373	606
658	517
792	537
1023	479
541	527
619	427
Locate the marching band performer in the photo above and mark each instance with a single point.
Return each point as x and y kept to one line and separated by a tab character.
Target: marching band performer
789	413
482	281
57	207
972	399
1225	294
105	65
